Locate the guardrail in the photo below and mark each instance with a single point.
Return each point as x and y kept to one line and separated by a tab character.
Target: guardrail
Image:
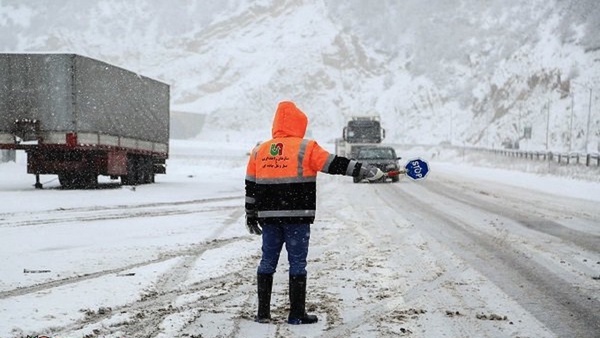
589	160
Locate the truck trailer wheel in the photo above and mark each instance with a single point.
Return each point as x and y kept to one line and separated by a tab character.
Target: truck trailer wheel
140	170
132	172
146	170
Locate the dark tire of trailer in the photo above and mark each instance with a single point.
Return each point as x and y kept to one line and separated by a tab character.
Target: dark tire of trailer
140	170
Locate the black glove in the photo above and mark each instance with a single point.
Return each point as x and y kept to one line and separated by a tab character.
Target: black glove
252	225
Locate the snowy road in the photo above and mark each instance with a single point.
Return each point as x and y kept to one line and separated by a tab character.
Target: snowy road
541	250
457	255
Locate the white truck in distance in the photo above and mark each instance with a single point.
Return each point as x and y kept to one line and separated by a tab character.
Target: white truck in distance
360	131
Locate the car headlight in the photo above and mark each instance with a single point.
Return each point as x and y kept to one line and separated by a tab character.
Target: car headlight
391	167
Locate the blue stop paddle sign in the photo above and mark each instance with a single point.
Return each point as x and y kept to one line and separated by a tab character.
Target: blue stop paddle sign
417	169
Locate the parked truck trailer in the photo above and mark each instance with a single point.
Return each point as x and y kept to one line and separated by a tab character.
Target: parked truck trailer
78	118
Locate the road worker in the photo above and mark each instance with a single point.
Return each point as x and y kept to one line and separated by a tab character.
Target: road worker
281	201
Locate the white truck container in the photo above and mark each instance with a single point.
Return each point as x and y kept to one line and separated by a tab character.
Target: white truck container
78	118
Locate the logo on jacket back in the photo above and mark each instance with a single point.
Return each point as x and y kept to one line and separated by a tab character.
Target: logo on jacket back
276	149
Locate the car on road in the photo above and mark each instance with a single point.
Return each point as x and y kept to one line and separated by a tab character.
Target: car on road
384	158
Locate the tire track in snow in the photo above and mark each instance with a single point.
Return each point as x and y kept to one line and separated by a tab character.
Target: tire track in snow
567	311
150	315
194	251
537	223
367	251
399	314
91	214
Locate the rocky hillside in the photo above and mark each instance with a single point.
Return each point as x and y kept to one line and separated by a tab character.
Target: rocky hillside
461	72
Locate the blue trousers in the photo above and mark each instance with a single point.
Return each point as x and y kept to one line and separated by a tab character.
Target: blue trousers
296	238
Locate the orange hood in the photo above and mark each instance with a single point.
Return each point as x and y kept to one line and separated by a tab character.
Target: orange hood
289	121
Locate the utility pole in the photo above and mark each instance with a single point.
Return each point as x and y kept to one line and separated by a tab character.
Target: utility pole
587	133
451	125
519	122
547	124
571	124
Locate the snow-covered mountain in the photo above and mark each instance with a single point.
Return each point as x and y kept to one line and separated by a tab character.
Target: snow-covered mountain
462	71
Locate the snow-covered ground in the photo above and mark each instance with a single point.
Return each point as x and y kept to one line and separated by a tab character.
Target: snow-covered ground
470	252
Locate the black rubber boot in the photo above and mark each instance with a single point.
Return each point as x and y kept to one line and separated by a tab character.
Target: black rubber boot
298	302
265	285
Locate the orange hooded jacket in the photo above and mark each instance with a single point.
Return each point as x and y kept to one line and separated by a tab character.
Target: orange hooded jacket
282	172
